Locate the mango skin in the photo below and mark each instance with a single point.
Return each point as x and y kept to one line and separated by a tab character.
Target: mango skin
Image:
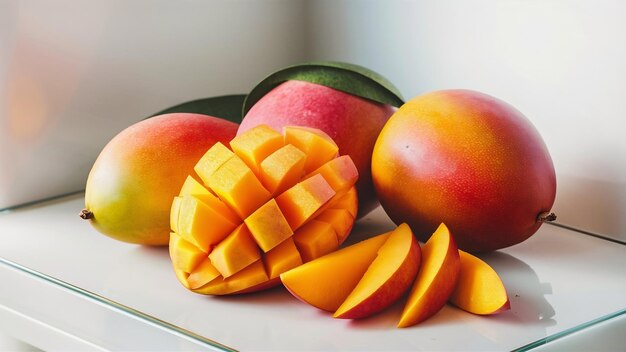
466	159
134	179
352	122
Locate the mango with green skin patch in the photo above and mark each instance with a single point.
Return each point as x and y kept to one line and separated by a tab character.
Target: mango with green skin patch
131	185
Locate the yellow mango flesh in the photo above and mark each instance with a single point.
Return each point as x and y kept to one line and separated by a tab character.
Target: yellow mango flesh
399	255
215	157
316	144
340	219
282	258
268	226
340	173
257	145
193	227
301	201
282	169
326	281
236	184
242	233
204	273
186	256
479	289
436	279
315	239
235	252
192	187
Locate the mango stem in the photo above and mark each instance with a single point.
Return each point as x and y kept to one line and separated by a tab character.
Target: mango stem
546	216
86	214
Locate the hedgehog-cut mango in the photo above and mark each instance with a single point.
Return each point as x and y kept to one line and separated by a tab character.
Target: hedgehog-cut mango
264	205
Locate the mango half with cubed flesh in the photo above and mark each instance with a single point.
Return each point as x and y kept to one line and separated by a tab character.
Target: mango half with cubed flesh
267	204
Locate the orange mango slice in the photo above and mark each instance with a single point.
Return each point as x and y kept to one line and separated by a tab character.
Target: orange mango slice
326	281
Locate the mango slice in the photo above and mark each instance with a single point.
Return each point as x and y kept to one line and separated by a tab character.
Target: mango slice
247	215
326	281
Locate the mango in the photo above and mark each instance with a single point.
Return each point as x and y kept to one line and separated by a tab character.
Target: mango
273	202
131	185
468	160
352	122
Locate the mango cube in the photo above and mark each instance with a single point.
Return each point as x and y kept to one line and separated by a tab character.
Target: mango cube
192	187
252	275
314	239
281	258
174	211
256	144
201	224
347	201
317	145
282	169
302	201
340	219
340	173
238	187
204	273
235	252
215	157
185	256
268	226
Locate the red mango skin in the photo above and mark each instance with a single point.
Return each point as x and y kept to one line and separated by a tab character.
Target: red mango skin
134	179
466	159
352	122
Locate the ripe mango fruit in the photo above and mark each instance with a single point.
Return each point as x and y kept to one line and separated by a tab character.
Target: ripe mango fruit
130	187
469	160
267	204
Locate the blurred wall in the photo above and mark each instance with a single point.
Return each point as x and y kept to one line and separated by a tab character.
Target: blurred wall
74	73
561	62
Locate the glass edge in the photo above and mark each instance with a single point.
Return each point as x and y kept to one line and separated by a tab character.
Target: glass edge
567	332
213	345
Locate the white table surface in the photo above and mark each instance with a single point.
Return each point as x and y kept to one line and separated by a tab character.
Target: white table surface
65	286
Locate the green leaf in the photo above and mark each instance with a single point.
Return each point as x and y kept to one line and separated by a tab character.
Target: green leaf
349	78
227	107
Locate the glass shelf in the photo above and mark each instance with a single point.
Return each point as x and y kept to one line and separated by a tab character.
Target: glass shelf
78	287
